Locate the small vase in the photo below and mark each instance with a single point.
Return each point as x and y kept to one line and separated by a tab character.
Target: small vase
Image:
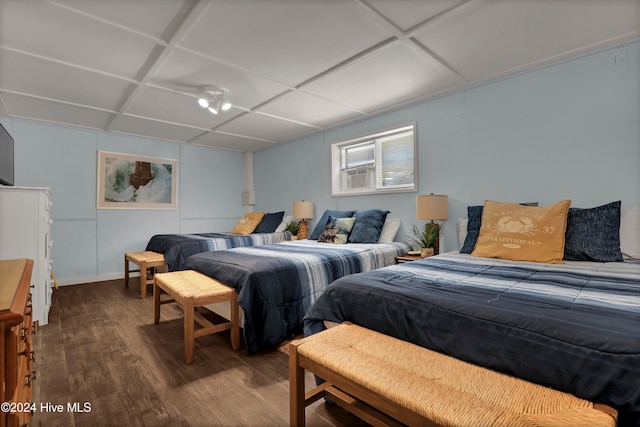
294	237
426	252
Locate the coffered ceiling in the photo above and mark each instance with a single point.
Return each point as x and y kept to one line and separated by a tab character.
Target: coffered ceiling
291	67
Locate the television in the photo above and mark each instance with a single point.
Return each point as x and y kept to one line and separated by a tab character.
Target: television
6	157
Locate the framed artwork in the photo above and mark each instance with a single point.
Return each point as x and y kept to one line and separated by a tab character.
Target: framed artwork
127	181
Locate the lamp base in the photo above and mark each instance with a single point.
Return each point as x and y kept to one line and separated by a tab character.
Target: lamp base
433	228
303	230
436	245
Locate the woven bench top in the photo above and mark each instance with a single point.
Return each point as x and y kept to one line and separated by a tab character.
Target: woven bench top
146	256
443	389
191	284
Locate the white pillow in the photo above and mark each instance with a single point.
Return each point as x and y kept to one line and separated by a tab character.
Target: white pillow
389	230
630	232
283	225
462	230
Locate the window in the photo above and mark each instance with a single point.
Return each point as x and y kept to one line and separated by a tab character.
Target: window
378	163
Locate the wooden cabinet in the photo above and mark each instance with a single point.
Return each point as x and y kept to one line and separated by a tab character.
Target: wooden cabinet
16	352
25	232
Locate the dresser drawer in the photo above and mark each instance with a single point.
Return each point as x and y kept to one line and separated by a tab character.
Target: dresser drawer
16	330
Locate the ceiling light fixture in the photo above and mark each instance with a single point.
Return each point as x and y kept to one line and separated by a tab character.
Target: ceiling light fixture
214	99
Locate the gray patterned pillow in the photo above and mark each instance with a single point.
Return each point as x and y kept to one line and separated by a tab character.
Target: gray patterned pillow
593	234
322	223
337	230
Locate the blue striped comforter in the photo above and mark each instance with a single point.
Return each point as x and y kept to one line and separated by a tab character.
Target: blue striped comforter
574	327
278	283
178	247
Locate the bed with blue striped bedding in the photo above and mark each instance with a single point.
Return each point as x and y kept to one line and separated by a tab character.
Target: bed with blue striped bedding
278	283
574	327
178	247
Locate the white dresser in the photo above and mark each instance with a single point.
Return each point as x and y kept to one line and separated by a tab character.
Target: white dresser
25	232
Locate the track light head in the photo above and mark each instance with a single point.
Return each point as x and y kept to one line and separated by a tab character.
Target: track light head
214	99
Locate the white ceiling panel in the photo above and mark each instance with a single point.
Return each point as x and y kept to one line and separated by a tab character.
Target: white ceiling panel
230	142
184	71
28	74
291	67
308	108
290	40
487	38
52	32
153	129
264	127
56	112
150	17
399	72
3	110
406	14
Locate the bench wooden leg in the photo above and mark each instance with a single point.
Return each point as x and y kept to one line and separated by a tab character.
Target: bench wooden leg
156	303
189	331
296	394
143	279
235	322
126	271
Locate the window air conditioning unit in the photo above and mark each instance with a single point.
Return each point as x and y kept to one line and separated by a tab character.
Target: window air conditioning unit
358	178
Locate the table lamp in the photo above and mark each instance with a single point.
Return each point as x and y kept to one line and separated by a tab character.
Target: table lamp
303	210
433	207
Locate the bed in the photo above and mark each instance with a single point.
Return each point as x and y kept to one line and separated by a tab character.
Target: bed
178	247
548	294
572	325
254	228
278	283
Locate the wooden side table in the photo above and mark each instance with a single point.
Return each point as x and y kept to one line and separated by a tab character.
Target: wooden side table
407	258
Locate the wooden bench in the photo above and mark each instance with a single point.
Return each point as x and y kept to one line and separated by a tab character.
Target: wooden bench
148	262
386	381
190	289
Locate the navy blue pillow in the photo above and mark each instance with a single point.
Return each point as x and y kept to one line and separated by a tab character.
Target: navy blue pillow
269	222
593	234
322	223
368	226
474	213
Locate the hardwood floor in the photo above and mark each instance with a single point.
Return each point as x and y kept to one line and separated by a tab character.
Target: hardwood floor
101	349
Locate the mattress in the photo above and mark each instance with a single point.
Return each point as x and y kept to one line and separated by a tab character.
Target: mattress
278	283
574	327
178	247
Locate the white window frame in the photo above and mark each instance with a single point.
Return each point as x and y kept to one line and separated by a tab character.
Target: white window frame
367	178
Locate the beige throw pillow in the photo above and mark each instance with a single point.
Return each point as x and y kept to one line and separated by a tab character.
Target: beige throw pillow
248	223
523	233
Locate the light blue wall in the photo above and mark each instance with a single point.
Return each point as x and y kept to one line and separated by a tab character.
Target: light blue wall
566	131
570	130
88	244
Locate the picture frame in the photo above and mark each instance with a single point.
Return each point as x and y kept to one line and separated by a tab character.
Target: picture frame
129	181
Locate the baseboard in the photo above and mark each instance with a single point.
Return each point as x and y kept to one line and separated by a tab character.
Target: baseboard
91	279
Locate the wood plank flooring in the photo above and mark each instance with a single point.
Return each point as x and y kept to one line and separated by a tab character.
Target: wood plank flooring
102	348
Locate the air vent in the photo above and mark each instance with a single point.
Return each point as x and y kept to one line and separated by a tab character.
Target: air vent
357	179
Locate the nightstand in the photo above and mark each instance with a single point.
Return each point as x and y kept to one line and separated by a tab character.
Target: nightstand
407	258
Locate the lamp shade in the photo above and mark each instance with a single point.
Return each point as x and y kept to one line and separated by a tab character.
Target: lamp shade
303	209
432	207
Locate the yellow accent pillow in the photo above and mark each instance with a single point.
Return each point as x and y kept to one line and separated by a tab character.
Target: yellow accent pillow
248	223
522	233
